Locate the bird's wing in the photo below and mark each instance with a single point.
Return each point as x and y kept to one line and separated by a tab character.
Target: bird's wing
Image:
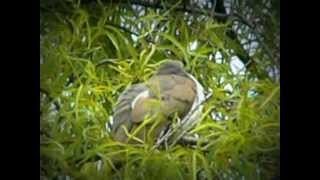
123	110
177	88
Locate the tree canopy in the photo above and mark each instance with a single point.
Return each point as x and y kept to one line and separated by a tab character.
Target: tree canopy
90	51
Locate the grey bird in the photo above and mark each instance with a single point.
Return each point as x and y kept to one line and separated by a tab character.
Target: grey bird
170	92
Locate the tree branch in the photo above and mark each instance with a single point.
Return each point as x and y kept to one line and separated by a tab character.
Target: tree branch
179	8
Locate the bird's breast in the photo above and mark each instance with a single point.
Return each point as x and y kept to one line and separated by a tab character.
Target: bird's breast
167	94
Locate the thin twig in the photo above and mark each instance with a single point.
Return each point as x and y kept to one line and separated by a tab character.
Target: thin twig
179	8
213	10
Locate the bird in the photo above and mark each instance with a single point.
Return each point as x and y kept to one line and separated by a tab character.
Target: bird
170	92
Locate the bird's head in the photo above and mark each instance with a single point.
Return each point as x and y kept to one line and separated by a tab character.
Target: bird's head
171	67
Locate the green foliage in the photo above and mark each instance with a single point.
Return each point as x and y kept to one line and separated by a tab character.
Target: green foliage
88	60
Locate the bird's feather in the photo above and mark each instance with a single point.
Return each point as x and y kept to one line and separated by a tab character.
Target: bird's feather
123	111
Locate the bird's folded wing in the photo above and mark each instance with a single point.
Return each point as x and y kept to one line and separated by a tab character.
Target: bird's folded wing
123	110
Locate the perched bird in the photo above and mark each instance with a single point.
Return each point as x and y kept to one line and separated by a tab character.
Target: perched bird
170	92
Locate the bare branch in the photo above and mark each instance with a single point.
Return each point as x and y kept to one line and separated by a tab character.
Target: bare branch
179	8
